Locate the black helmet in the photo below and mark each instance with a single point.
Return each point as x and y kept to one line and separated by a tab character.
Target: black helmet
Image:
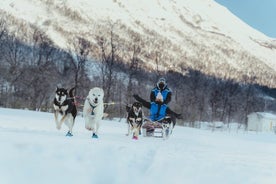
161	84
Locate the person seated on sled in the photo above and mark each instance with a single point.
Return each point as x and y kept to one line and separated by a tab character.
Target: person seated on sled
160	96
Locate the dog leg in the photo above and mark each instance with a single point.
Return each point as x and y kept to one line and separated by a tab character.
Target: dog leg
56	117
95	131
88	124
128	130
135	133
70	125
61	121
58	126
97	126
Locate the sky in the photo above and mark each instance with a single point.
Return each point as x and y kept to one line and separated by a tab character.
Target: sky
257	13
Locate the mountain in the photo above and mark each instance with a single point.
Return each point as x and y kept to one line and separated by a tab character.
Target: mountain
172	35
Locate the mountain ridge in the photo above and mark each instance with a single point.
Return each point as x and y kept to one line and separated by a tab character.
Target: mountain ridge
176	34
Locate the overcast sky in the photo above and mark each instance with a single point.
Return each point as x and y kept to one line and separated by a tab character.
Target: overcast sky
259	14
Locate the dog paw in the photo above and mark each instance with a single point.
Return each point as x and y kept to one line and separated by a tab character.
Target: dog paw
89	128
95	136
58	127
69	134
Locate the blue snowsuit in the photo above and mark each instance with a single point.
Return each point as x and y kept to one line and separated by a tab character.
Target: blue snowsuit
157	108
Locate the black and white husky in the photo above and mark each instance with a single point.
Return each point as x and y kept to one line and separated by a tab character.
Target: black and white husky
134	119
65	106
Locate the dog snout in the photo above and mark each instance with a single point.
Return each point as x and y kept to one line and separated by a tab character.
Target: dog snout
136	109
96	100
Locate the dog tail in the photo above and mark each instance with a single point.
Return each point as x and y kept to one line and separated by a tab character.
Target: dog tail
142	101
71	94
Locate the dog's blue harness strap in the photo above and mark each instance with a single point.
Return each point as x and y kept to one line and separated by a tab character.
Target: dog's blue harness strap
92	106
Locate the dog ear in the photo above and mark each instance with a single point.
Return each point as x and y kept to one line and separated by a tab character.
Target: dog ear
128	108
137	104
102	92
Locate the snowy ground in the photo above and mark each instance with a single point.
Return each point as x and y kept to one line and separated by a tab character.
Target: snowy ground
34	152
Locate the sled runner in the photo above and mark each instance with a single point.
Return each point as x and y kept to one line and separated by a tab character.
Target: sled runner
161	128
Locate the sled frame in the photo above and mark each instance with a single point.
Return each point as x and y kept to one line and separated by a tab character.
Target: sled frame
162	128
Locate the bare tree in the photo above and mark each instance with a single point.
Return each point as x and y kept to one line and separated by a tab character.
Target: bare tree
229	89
109	58
3	28
79	54
40	70
248	98
14	57
132	70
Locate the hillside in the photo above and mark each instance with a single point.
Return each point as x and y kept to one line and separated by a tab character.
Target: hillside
173	35
33	151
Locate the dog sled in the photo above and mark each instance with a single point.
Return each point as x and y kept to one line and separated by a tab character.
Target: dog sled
160	129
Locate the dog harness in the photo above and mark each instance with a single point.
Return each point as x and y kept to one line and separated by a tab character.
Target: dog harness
59	105
92	106
136	120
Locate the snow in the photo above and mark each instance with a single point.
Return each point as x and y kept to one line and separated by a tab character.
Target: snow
33	151
160	16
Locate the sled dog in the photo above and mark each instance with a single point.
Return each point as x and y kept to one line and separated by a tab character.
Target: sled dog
64	105
93	110
134	119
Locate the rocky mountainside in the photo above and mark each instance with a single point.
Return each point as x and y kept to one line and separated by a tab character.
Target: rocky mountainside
171	35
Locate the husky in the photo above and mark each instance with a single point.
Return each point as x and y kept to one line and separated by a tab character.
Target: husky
134	119
65	106
93	110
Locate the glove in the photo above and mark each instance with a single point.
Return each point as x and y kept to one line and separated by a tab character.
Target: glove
159	102
159	98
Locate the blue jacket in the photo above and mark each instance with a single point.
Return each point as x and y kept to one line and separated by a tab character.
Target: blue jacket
166	93
158	109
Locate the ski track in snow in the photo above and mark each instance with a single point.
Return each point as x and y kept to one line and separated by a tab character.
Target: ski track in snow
33	151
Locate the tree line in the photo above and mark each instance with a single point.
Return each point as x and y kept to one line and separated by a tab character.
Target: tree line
29	74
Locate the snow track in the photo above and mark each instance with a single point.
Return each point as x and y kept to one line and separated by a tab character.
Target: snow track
34	152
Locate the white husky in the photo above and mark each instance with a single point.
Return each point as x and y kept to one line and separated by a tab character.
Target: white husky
93	110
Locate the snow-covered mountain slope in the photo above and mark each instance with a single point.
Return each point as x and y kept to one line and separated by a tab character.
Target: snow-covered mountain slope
199	34
33	151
